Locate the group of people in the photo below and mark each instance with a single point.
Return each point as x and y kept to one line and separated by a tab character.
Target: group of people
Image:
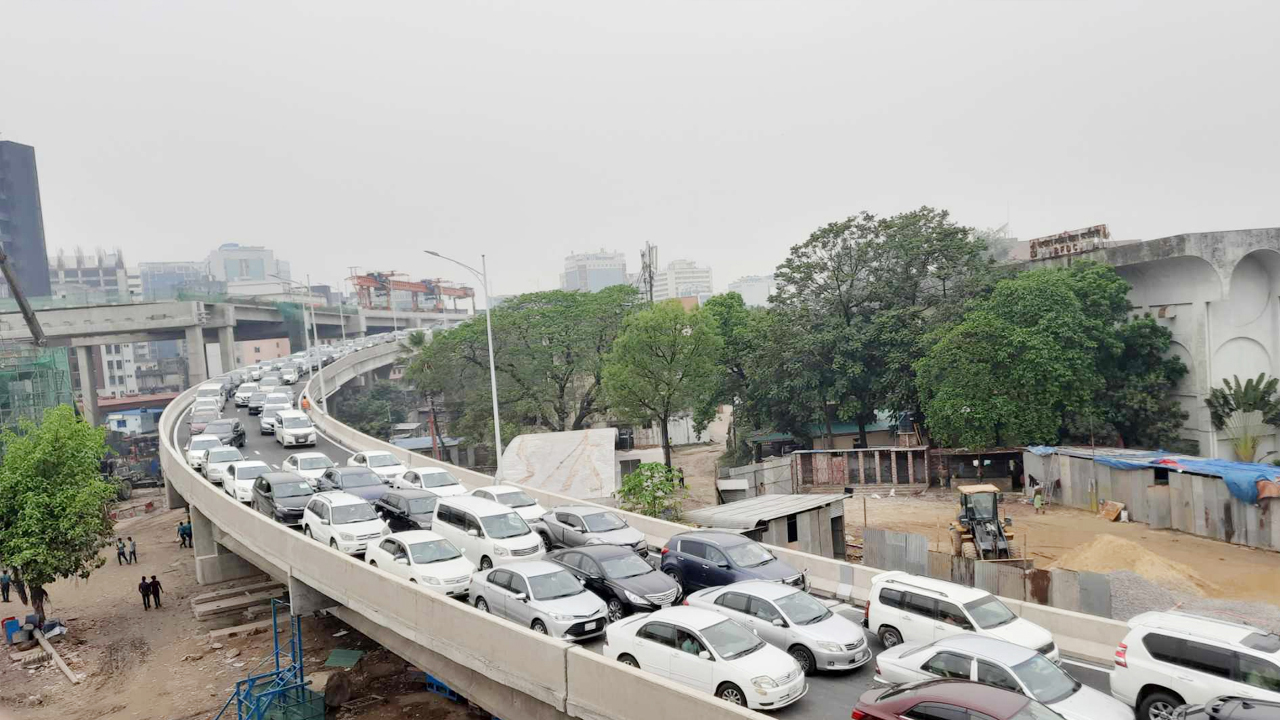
126	556
150	592
184	533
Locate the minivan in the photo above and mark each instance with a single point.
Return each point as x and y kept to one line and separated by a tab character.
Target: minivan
487	532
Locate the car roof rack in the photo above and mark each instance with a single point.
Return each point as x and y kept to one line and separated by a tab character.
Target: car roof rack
896	581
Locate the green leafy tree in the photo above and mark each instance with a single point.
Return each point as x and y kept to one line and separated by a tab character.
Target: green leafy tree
651	489
53	501
373	410
664	362
1239	406
1138	408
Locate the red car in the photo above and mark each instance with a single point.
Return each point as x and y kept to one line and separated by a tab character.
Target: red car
949	699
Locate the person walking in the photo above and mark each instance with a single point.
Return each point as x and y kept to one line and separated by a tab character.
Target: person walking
4	585
144	588
186	533
122	557
182	534
155	588
133	551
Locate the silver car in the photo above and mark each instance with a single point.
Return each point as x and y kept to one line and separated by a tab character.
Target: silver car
574	525
790	619
541	596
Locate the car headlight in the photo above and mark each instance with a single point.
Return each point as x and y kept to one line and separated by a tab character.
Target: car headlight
830	647
634	598
764	682
500	551
561	618
346	537
430	580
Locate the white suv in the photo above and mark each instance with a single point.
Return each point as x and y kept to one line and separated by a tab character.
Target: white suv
1171	658
918	609
342	521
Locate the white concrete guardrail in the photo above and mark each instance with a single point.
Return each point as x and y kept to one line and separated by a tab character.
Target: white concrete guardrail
1087	637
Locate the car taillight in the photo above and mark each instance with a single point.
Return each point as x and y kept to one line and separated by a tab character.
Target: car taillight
877	665
866	611
1120	656
859	715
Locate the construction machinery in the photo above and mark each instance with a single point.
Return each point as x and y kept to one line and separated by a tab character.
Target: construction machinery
979	533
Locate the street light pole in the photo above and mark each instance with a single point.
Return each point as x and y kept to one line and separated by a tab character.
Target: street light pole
483	277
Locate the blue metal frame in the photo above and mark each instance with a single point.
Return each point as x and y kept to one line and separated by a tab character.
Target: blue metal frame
281	688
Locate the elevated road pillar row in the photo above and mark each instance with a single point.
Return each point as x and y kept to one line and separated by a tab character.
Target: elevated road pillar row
197	367
215	563
88	385
227	347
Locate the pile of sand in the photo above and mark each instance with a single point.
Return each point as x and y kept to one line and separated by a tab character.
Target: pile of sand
1108	553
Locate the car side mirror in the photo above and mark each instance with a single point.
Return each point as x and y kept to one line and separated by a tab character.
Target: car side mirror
522	597
473	532
324	521
704	655
402	560
779	622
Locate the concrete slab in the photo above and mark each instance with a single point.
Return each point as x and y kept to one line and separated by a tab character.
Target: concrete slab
253	628
263	584
235	604
1095	594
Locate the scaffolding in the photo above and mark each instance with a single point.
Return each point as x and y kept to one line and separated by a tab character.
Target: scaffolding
32	380
280	693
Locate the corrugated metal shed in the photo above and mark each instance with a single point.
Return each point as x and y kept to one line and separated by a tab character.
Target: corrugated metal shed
749	513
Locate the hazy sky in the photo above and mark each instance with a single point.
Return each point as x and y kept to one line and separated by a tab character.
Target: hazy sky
358	133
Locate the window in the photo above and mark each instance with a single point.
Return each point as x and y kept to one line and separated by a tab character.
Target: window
793	532
389	546
257	349
918	604
518	584
764	610
714	556
948	665
573	560
501	578
628	466
590	567
1163	648
693	548
1209	659
660	633
473	524
891	598
995	675
570	520
688	642
734	601
444	514
952	615
936	711
1259	673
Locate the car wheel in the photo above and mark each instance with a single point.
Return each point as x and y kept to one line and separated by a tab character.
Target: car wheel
1158	705
307	531
333	543
373	564
485	563
890	636
628	661
804	658
732	694
481	605
616	612
675	575
539	627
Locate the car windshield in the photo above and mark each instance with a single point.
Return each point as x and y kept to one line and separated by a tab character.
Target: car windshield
437	479
359	479
603	522
382	460
558	584
204	416
984	504
731	640
621	567
1047	682
279	398
314	463
205	443
422	506
360	512
517	499
296	423
989	612
225	455
1035	711
246	472
211	391
218	426
749	554
802	609
291	489
247	388
433	551
504	526
257	397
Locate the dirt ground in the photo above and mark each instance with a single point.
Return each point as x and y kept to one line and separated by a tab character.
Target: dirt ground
699	462
1234	571
160	664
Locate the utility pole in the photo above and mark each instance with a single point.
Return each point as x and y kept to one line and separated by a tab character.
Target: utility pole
435	435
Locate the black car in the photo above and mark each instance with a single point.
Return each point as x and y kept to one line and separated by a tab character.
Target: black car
229	430
255	402
356	480
709	558
620	577
407	509
1229	708
282	496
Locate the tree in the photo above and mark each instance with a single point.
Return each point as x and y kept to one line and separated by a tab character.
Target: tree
1240	407
374	409
651	490
664	362
53	500
1139	407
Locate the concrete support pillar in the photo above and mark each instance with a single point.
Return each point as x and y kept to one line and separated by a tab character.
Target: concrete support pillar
227	347
197	368
88	384
215	563
172	498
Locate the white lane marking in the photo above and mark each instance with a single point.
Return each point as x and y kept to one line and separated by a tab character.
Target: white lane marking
1087	666
255	452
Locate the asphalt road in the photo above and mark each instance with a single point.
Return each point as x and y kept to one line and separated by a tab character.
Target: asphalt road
831	695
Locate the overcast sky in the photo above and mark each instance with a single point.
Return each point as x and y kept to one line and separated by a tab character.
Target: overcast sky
358	133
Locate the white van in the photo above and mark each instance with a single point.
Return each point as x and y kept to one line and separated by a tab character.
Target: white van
917	609
488	533
212	390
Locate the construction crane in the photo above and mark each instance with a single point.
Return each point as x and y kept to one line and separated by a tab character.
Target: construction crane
28	315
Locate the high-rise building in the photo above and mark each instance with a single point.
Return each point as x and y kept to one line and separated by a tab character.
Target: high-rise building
754	289
163	280
96	278
590	272
233	262
21	220
681	278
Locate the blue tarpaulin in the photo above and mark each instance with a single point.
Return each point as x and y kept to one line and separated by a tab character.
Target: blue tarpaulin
1241	477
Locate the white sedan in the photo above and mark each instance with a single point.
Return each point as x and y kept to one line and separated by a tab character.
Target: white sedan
515	498
436	479
197	446
423	558
217	461
240	479
310	465
997	662
708	652
387	466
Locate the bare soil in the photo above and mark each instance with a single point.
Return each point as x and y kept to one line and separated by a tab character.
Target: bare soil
699	462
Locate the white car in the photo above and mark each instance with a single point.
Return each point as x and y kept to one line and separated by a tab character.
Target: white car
919	610
289	375
342	521
515	498
216	461
196	447
487	533
213	391
790	619
207	403
995	662
293	427
244	392
310	465
541	596
255	372
708	652
1171	658
436	479
240	479
424	558
387	466
273	404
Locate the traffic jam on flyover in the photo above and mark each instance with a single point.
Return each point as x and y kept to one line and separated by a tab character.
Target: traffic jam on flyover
712	610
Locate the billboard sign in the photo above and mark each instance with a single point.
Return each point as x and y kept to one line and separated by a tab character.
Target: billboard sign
1071	242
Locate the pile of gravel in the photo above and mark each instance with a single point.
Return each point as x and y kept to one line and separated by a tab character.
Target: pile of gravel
1132	594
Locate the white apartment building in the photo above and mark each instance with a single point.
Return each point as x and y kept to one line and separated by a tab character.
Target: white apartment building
118	373
681	278
590	272
233	262
754	289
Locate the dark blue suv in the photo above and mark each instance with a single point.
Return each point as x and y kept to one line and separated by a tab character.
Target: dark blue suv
708	558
